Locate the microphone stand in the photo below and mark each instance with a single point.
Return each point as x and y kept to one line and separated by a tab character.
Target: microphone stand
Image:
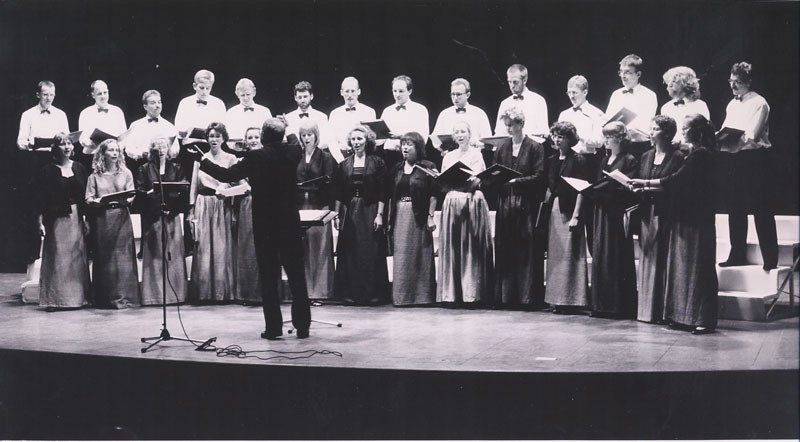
165	335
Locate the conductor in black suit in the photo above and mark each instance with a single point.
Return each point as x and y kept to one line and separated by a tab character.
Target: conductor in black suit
276	223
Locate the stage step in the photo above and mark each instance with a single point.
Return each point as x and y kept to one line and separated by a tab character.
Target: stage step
745	306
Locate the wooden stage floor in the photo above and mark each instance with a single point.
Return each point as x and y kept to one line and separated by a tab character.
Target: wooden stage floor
417	338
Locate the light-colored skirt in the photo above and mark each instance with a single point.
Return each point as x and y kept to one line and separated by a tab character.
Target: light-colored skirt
414	272
652	266
567	271
212	265
466	268
152	279
64	277
247	277
115	281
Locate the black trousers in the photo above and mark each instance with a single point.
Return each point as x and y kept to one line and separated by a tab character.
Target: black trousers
750	183
273	250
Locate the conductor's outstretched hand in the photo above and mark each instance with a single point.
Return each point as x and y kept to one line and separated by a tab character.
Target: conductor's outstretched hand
194	153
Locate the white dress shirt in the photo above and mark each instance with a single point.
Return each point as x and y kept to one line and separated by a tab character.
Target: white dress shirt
588	121
237	119
39	123
473	115
642	101
535	109
412	118
192	114
110	120
750	114
679	109
294	120
342	121
143	130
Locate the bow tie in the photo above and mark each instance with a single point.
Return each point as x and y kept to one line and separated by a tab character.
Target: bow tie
519	97
627	91
102	110
152	120
249	109
679	102
203	102
402	106
349	109
461	110
45	111
577	109
737	97
303	115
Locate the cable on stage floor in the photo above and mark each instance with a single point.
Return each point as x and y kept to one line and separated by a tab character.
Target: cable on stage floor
238	352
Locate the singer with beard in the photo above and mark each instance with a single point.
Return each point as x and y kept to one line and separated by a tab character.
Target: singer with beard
276	223
162	168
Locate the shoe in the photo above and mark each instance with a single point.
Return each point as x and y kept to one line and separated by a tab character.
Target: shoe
302	333
733	263
768	267
702	331
271	336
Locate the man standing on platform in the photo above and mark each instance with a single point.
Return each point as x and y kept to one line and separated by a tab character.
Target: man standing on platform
461	110
247	113
202	108
402	117
143	130
587	118
530	103
101	115
346	117
636	98
43	120
303	96
272	172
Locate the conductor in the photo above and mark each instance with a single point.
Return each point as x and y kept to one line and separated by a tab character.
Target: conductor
276	222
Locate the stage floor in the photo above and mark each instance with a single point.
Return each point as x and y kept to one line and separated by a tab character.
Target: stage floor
417	338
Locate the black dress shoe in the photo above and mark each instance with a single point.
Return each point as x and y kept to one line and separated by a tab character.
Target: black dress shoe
702	330
733	263
271	336
770	266
302	333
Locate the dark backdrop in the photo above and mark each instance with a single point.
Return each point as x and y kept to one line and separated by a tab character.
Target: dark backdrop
140	45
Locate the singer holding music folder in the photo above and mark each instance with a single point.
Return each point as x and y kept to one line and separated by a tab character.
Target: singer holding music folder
162	169
276	223
109	192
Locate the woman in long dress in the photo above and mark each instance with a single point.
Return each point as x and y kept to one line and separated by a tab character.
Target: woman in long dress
567	270
115	281
211	215
660	161
691	286
466	270
519	258
64	276
317	240
412	194
360	185
613	291
247	288
164	169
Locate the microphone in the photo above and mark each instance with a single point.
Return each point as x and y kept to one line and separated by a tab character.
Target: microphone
204	346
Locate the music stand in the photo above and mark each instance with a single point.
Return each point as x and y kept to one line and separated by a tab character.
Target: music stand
165	335
309	219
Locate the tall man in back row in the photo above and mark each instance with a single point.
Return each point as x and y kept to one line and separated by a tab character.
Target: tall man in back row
276	222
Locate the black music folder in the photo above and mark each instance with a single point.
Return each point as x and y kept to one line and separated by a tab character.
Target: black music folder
607	191
202	145
455	176
624	116
729	135
195	133
117	197
44	144
98	136
379	127
497	175
494	143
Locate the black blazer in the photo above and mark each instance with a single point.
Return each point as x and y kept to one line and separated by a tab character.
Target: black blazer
671	164
573	166
374	188
54	198
690	189
530	163
147	179
272	172
422	186
321	164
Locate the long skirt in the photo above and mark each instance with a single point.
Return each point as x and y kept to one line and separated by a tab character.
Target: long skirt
652	265
152	278
318	254
361	274
212	265
466	269
414	272
613	288
567	271
248	281
519	260
115	281
64	276
691	286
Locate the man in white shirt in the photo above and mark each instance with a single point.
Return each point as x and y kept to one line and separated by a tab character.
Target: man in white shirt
303	96
636	98
202	108
683	88
402	117
461	110
247	113
43	120
143	130
530	103
101	115
587	118
346	117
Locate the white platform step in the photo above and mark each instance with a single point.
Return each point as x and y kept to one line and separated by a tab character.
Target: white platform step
744	305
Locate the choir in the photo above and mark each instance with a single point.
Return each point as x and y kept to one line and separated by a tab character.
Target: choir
385	192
